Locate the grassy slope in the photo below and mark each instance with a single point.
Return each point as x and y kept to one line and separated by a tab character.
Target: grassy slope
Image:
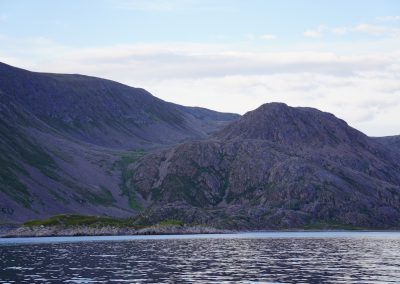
95	221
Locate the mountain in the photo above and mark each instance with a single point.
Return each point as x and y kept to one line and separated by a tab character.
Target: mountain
103	112
276	167
90	146
392	142
65	139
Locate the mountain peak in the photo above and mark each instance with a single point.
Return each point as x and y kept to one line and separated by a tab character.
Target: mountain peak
278	122
273	105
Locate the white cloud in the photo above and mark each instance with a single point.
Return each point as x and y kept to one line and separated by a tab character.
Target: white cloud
317	32
362	88
371	29
366	103
268	36
340	30
389	18
251	36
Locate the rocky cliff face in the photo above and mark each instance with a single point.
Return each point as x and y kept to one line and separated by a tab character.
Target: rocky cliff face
64	140
277	167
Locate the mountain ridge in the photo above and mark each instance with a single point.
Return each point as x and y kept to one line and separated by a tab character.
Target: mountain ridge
87	107
259	176
64	139
133	155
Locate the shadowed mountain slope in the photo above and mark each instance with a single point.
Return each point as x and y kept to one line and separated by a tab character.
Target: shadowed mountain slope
65	139
392	142
104	112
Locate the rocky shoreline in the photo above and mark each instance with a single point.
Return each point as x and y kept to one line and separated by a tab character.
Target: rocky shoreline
62	231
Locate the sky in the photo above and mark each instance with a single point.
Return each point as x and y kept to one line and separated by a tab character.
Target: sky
228	55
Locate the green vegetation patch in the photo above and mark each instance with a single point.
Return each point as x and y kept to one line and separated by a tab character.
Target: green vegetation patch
128	158
81	220
171	223
127	175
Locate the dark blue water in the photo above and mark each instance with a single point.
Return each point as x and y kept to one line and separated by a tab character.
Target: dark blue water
288	257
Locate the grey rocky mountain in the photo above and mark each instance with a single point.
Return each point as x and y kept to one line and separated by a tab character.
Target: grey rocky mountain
65	138
392	142
103	112
79	144
277	167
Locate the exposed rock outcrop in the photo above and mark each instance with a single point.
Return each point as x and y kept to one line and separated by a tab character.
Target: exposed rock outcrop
277	167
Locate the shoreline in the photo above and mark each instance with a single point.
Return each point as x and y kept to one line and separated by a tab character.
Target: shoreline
59	231
81	231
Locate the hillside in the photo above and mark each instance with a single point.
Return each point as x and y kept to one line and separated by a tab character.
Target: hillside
65	140
103	112
277	167
392	142
73	144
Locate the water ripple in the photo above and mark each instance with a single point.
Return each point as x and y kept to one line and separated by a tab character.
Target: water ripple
202	260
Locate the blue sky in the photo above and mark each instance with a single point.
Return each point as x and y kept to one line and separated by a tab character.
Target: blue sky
339	56
102	22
